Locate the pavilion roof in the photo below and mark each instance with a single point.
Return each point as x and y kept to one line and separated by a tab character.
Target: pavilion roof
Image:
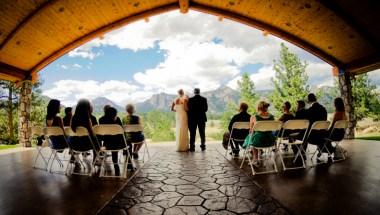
344	33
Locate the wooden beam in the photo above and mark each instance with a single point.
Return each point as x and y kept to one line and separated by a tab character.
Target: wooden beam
365	64
102	31
268	28
183	6
25	21
12	73
351	21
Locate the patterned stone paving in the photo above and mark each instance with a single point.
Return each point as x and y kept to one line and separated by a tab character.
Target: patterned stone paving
192	183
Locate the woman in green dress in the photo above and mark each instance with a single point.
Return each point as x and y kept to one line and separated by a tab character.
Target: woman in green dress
260	138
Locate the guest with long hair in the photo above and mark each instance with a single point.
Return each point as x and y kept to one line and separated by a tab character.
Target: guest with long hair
82	117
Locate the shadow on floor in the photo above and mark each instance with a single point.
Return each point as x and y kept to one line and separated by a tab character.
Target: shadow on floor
348	187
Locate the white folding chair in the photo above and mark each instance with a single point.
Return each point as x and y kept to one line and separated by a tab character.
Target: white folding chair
57	143
288	139
38	133
336	136
102	131
269	152
236	126
137	128
80	142
322	128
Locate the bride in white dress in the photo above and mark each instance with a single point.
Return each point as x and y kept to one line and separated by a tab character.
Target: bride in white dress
179	106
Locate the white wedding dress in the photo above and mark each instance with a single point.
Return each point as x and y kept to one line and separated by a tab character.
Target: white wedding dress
182	133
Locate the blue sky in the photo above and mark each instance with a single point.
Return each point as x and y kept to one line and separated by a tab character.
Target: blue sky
169	52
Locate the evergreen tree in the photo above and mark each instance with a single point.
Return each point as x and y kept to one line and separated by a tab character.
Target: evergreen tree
366	99
290	81
247	92
8	102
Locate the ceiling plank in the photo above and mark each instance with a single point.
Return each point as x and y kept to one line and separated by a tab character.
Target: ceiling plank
25	21
350	21
268	28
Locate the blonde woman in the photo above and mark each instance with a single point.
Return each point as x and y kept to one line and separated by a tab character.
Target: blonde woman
260	138
179	106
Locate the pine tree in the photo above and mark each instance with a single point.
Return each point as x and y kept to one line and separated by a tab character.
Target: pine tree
290	81
247	92
366	99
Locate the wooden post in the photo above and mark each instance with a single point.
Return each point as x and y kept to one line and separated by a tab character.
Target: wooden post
24	125
346	94
183	6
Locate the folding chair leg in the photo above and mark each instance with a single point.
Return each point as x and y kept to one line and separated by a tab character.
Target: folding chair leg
242	162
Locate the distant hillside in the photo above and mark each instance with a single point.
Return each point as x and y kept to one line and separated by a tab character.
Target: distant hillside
217	100
100	102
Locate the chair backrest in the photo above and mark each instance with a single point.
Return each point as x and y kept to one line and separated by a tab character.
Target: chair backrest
240	125
133	128
297	124
112	136
109	129
53	131
320	125
57	137
340	124
37	131
267	125
80	132
338	131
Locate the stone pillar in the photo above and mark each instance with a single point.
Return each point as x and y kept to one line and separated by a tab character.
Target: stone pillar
346	93
24	125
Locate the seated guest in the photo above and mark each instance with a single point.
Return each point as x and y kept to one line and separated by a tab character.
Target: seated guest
110	117
260	138
118	121
82	117
241	134
316	112
286	112
132	119
301	112
285	117
52	119
339	114
68	116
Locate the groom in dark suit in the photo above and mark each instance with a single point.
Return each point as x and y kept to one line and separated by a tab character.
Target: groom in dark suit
197	118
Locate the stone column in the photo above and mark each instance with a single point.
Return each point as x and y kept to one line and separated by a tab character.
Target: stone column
346	93
24	125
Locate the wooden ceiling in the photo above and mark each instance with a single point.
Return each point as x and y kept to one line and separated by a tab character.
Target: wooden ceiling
34	33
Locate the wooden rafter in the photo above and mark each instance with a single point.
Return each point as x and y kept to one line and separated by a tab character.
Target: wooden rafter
365	64
25	21
11	71
183	6
102	31
269	28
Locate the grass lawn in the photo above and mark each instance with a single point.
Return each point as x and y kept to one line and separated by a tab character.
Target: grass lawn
372	136
8	146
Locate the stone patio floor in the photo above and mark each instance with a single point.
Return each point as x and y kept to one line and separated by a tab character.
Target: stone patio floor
191	183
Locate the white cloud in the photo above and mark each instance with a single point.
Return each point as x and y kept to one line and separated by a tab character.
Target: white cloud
70	91
193	58
320	74
70	66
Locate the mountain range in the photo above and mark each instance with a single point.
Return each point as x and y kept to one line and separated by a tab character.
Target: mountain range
217	100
